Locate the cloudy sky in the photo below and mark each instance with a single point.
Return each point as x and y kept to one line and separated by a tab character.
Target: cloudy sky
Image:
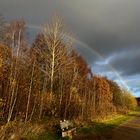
107	32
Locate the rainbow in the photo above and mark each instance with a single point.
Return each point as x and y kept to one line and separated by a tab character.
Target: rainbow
94	52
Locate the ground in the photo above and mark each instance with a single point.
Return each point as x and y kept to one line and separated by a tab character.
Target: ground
128	130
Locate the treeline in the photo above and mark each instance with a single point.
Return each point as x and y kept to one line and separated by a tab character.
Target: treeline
50	79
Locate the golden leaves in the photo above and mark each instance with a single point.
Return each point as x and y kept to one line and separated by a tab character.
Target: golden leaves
13	82
1	61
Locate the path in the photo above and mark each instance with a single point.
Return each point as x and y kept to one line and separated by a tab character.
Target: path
127	131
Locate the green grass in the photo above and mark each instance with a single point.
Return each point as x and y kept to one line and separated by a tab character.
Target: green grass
92	128
106	126
49	136
44	136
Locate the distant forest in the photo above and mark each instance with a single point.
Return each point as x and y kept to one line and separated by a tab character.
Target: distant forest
49	79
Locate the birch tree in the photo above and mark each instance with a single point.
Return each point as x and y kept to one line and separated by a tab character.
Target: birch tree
16	32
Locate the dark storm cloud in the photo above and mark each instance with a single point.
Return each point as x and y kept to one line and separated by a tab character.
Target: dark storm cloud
109	27
127	61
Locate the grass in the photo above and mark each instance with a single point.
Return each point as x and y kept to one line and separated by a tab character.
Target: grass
49	136
105	126
44	136
92	128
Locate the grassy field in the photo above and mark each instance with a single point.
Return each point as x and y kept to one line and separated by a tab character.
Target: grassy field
94	128
45	136
105	126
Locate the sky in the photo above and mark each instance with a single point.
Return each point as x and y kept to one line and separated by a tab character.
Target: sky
107	32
